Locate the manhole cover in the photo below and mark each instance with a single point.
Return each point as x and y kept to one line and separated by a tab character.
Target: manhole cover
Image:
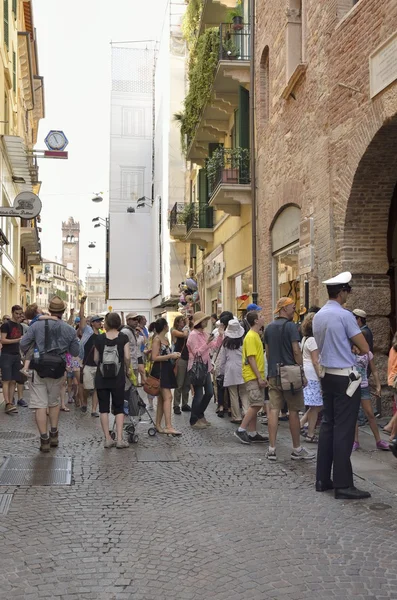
379	506
151	456
36	471
16	435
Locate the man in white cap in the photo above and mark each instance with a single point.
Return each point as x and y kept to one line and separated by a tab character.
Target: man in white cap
335	330
361	318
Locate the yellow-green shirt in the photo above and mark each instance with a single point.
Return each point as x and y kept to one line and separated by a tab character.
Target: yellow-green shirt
253	346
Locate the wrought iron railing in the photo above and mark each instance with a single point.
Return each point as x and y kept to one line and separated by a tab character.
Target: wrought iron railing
234	41
228	166
177	214
200	217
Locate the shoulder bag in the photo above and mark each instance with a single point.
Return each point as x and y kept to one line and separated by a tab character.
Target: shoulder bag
198	372
49	364
289	377
152	384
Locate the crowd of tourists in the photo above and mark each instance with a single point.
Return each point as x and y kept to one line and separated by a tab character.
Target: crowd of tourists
311	373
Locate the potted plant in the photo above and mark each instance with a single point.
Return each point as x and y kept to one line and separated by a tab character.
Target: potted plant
187	213
235	16
229	49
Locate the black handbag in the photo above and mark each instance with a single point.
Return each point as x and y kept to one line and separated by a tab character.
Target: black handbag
199	371
49	364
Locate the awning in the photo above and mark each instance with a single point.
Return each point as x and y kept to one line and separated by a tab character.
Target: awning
21	163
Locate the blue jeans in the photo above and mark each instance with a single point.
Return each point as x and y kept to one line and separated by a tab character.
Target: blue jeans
201	399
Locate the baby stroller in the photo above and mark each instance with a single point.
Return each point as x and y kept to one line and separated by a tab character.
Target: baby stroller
135	409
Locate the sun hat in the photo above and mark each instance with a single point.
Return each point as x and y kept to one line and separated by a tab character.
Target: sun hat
199	317
57	305
234	329
132	315
360	313
96	318
282	303
253	307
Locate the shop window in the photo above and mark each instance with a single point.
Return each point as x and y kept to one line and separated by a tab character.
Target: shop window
285	249
242	290
265	84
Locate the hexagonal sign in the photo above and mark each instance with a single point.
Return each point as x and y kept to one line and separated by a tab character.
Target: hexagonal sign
56	141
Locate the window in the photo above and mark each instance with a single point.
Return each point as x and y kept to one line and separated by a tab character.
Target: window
6	25
6	114
14	72
132	183
133	122
15	8
265	84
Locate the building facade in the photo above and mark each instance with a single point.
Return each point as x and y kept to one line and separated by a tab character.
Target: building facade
53	278
215	127
95	285
22	107
326	136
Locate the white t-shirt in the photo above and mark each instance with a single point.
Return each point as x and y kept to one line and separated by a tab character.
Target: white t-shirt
308	345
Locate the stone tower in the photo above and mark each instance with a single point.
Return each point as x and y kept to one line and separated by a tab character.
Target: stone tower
70	245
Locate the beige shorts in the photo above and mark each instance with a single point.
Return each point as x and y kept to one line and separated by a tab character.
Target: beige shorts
256	394
44	392
89	377
277	397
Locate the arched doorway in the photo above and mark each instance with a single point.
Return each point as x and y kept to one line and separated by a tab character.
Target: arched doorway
368	239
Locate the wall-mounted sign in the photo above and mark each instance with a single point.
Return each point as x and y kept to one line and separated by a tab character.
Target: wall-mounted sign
383	65
306	232
306	259
26	206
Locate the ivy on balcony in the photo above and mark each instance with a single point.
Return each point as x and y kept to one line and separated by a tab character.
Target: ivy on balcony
202	67
191	21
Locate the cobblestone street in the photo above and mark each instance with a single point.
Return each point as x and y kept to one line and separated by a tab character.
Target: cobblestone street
217	521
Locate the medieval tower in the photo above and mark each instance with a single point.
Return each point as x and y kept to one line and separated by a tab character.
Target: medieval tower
70	245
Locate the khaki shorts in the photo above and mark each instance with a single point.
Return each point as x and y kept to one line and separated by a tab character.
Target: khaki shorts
256	394
89	377
44	392
277	397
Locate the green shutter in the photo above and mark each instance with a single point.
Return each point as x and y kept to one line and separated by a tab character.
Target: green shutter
14	72
243	120
15	8
203	199
6	29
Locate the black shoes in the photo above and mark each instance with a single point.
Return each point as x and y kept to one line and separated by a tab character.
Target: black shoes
351	493
177	410
324	486
258	438
186	408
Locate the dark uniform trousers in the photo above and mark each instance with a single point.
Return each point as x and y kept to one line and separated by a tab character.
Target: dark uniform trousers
337	431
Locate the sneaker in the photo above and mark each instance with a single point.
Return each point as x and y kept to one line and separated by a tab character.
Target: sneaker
258	438
242	436
44	444
54	441
356	446
303	454
271	455
10	409
83	409
186	408
109	444
95	414
382	445
206	423
199	425
377	415
177	410
23	403
122	444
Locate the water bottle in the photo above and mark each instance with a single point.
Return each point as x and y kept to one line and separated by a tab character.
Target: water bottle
36	354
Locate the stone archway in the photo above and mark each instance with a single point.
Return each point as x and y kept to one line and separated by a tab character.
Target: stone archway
366	239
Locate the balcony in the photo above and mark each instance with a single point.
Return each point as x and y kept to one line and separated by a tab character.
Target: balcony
30	238
178	220
232	71
214	12
229	179
199	224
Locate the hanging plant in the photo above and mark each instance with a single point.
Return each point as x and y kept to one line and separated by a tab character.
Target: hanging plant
191	21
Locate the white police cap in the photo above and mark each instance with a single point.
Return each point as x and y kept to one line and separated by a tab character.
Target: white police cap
340	279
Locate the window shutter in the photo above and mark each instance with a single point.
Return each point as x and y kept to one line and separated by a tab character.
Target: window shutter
15	8
14	72
243	118
6	28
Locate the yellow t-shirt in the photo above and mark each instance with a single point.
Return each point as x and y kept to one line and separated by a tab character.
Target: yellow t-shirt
253	346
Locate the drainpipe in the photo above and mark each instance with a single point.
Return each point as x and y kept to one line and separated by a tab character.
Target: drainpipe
253	153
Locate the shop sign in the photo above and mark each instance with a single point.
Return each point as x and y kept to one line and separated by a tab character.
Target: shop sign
26	206
383	65
306	232
306	259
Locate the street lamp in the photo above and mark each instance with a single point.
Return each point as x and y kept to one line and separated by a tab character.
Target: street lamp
141	202
91	245
97	197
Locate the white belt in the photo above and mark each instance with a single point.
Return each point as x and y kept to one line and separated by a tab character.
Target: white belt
342	372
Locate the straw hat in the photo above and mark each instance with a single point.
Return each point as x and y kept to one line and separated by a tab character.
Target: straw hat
199	317
234	329
57	305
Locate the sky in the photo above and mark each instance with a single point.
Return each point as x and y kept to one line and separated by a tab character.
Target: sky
74	47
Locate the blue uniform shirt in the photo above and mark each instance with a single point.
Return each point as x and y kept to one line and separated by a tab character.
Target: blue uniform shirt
333	328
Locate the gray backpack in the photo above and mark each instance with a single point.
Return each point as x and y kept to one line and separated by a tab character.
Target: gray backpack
110	365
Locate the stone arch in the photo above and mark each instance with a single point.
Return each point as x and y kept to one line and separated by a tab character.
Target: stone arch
365	244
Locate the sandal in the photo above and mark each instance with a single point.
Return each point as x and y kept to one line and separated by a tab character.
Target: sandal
312	440
172	432
303	432
220	414
65	409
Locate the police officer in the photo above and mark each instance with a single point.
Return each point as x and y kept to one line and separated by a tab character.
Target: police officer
335	329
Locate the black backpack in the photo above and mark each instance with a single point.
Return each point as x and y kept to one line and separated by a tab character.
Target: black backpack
49	364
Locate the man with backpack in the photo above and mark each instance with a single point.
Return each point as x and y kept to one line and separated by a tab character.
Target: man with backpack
53	339
130	330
